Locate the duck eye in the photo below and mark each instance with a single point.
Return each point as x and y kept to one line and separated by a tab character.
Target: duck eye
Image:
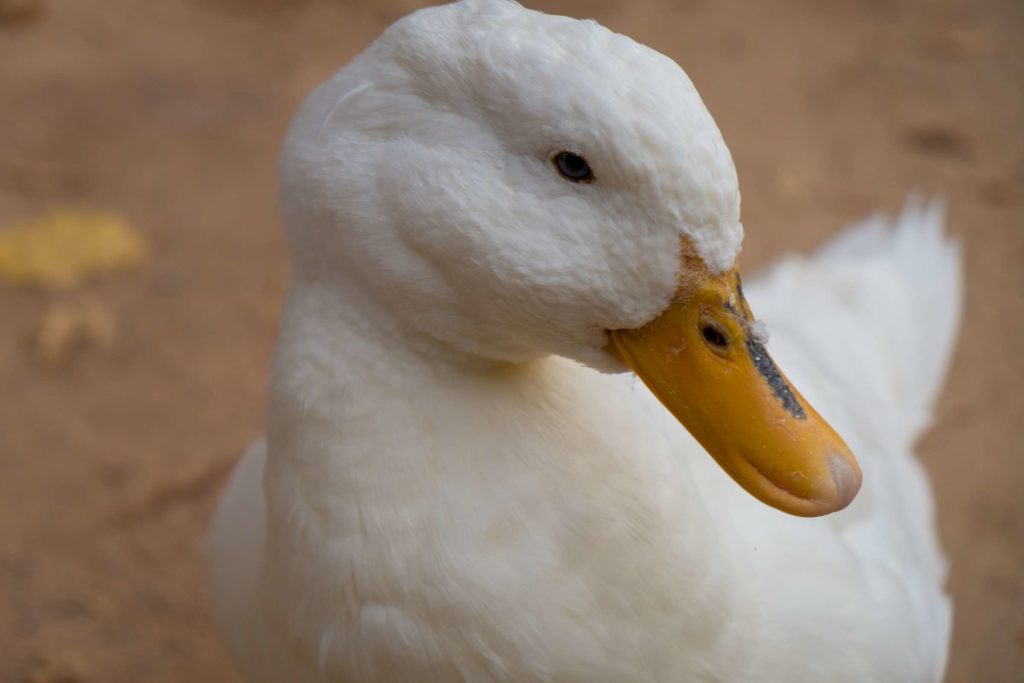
573	167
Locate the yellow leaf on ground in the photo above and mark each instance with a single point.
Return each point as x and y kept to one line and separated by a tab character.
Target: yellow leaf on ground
69	326
67	246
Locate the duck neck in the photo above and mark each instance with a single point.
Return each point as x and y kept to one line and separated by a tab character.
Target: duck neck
374	432
347	375
344	327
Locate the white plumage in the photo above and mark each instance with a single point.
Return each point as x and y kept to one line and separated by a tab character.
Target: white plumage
444	496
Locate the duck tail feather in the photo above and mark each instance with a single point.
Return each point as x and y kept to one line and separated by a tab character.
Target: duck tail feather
910	289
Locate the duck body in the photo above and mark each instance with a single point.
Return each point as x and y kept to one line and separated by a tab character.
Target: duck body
526	523
419	511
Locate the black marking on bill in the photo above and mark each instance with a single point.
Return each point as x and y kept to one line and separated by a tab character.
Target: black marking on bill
766	366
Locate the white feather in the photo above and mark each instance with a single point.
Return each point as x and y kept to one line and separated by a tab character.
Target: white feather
443	496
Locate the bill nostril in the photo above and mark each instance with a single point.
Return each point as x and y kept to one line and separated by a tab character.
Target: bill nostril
714	337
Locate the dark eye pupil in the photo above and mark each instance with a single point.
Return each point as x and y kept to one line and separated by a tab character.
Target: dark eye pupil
573	167
713	336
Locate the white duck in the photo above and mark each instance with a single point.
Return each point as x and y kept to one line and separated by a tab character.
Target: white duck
486	209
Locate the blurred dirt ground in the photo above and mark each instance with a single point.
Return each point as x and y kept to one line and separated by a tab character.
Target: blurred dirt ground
169	113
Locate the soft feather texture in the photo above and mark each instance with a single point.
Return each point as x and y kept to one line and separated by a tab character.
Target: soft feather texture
443	497
428	156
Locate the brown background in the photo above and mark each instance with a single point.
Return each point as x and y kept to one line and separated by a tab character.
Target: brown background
171	111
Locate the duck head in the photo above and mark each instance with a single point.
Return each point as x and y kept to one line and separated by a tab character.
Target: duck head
515	185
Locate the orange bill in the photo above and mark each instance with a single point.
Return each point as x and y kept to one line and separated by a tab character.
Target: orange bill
707	365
